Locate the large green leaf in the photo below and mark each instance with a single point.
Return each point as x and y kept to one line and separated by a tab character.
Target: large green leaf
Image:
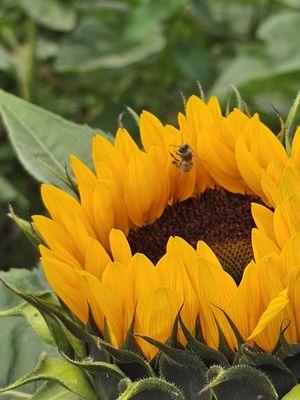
101	43
20	346
53	391
59	371
53	14
281	33
43	140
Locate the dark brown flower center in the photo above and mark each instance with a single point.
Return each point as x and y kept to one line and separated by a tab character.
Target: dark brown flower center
221	219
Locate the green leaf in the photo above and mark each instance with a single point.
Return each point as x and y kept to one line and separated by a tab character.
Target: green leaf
42	138
53	391
59	371
65	331
241	382
33	317
53	14
20	346
151	388
98	367
281	33
106	377
294	394
101	43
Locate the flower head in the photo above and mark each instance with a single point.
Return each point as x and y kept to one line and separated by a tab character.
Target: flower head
148	238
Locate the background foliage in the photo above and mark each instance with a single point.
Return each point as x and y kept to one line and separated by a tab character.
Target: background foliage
87	59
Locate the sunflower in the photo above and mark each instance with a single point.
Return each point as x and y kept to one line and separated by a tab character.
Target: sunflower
146	239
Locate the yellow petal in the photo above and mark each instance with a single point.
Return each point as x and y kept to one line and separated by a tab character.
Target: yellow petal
263	218
286	220
172	271
155	316
275	307
104	152
290	254
248	167
117	278
63	280
103	301
290	184
151	131
214	106
294	297
96	259
103	212
205	252
261	282
125	144
183	249
119	247
143	189
57	238
270	189
86	181
262	244
213	287
145	276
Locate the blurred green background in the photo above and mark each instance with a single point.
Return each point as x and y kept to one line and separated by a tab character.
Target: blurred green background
87	60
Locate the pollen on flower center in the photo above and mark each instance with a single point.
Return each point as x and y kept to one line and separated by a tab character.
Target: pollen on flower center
221	219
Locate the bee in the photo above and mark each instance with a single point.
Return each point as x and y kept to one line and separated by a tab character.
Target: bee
184	158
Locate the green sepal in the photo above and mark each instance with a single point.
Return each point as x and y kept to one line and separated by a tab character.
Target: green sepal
150	389
26	227
239	338
58	371
106	376
131	363
223	346
289	353
188	378
241	104
130	343
134	115
294	394
198	331
51	390
173	340
181	367
240	382
178	356
33	317
91	326
208	355
282	378
289	133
